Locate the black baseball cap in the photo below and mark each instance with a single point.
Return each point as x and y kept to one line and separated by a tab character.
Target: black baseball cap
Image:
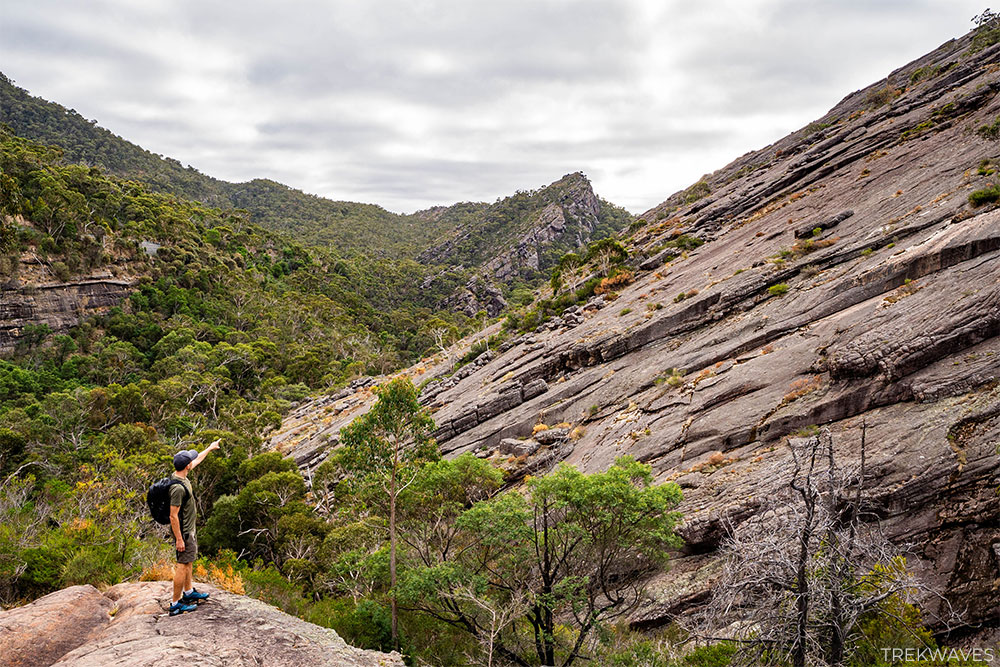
183	458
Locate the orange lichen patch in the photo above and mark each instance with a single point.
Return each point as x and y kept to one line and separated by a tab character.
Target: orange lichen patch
539	428
711	464
801	387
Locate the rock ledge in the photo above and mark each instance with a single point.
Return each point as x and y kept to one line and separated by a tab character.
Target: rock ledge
127	625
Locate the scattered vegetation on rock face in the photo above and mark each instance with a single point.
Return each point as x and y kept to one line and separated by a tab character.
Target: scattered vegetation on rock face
988	195
684	296
779	289
924	73
990	131
684	242
801	387
672	377
987	31
697	191
882	96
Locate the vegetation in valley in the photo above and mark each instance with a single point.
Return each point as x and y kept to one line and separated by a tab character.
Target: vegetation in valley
227	326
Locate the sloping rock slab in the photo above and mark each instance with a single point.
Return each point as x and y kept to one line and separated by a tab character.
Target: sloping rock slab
45	630
128	625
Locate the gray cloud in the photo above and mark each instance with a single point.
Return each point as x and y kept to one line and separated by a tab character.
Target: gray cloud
414	103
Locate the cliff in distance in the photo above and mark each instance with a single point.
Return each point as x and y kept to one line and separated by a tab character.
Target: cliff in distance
849	274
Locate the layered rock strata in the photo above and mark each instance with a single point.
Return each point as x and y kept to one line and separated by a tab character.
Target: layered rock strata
845	279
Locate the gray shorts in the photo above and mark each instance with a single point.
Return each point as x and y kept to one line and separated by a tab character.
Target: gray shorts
190	552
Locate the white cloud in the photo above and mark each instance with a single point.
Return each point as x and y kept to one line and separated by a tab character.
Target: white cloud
413	103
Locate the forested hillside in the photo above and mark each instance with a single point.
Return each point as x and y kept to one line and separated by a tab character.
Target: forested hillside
226	326
348	227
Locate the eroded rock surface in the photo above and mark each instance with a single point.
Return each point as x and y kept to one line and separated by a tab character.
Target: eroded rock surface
844	278
128	626
59	305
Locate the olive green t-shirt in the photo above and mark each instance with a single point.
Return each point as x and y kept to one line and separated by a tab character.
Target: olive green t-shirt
188	511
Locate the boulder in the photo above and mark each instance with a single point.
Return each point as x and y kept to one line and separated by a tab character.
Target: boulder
536	387
50	627
552	435
515	447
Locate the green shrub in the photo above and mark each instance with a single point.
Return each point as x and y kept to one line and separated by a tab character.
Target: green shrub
684	242
987	195
990	131
922	73
697	191
60	271
882	96
779	289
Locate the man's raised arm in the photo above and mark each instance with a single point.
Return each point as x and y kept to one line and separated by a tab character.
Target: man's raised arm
201	457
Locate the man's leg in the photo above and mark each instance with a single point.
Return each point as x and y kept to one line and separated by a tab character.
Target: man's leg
182	571
188	585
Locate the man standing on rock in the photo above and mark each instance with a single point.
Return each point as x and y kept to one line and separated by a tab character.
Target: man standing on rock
183	513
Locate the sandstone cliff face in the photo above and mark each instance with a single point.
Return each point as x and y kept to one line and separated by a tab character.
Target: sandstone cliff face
127	625
59	305
845	278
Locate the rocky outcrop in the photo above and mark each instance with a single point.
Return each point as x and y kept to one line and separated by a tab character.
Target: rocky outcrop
845	279
476	296
59	305
128	625
576	213
515	240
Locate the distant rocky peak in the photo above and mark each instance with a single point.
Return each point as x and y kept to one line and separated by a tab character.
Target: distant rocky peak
519	238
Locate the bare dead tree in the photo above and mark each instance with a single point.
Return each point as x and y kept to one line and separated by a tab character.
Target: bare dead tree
802	575
442	341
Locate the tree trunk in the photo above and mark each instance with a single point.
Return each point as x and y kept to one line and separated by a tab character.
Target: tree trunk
802	581
802	586
392	547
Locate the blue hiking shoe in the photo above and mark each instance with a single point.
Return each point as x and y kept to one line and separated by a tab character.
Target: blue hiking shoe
180	607
194	596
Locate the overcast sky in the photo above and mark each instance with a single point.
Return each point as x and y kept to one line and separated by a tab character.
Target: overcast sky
412	103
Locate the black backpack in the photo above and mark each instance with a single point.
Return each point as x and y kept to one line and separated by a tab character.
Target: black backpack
158	499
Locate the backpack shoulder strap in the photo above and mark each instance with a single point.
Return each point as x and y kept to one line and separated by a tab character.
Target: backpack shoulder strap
174	480
187	494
